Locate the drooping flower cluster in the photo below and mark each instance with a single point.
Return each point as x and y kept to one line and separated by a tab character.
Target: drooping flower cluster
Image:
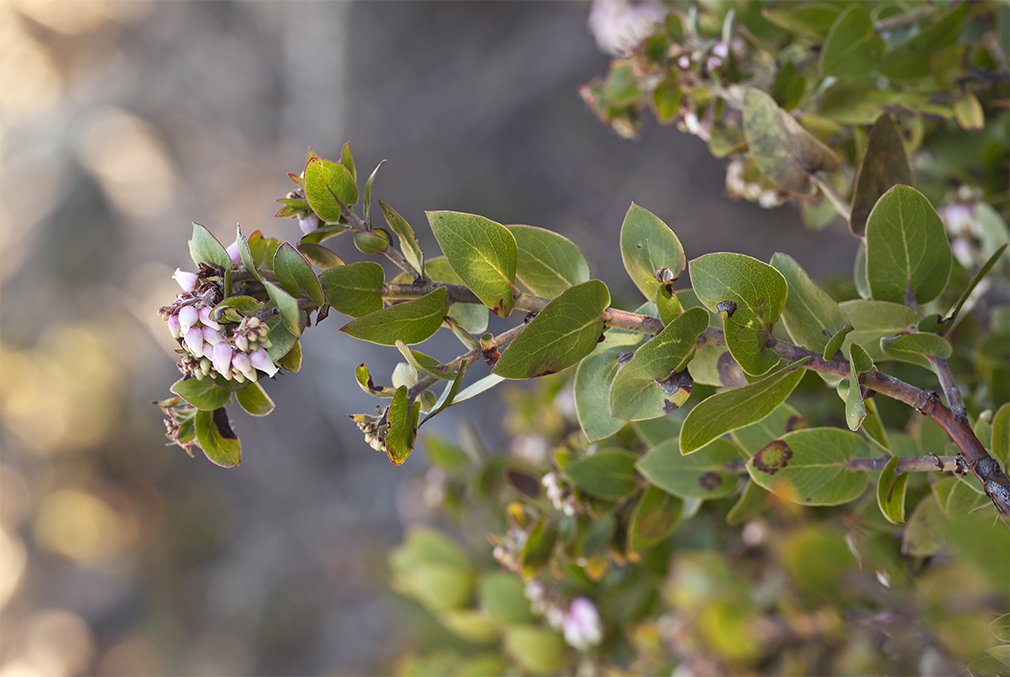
374	430
209	347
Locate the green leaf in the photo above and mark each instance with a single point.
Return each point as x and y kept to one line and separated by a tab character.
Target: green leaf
940	325
807	466
834	344
811	317
408	241
884	165
855	409
913	347
856	102
205	248
814	19
666	101
320	256
424	364
753	501
859	272
323	233
286	305
736	408
1000	628
448	396
234	308
482	253
368	192
872	320
891	492
607	474
218	441
667	303
647	246
907	252
750	296
784	419
853	47
201	393
402	432
547	263
911	58
1001	434
539	546
348	161
255	400
924	534
655	381
281	340
565	331
703	474
472	317
654	518
782	149
355	289
364	379
329	187
501	595
295	275
412	322
593	377
535	649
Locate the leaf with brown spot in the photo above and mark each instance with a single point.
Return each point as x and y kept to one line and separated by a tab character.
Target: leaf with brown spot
704	474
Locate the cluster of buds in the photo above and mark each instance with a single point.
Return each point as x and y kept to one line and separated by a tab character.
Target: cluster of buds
177	412
580	623
562	499
373	428
208	347
744	180
508	549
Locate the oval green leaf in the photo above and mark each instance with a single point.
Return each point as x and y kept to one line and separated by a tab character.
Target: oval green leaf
750	296
608	474
355	289
853	47
408	241
286	305
402	432
205	248
255	400
482	253
884	165
703	474
219	443
808	466
472	317
891	492
872	320
547	263
912	57
203	394
654	518
565	331
319	256
907	252
329	187
412	322
654	382
593	378
736	408
912	347
295	275
811	317
647	246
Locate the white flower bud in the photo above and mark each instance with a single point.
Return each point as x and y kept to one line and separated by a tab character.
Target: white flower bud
187	281
212	336
241	343
174	326
222	358
205	318
187	318
720	50
233	253
261	360
309	223
240	363
582	624
713	63
194	341
684	62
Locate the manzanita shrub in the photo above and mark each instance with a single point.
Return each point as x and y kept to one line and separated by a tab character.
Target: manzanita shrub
745	473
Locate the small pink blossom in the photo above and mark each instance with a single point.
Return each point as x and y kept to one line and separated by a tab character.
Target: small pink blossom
309	223
234	254
582	626
174	326
261	360
186	280
222	358
194	341
240	363
720	50
187	318
684	62
205	318
242	343
212	336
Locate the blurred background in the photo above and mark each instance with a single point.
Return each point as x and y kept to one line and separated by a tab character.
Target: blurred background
122	122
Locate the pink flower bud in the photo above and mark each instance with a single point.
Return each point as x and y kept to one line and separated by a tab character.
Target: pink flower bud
212	336
582	626
233	252
261	360
309	223
187	318
684	62
240	363
194	341
720	50
222	358
187	281
241	343
205	318
174	326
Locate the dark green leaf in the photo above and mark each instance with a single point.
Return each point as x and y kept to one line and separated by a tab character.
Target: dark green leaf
834	344
412	322
320	256
814	19
911	58
263	249
884	165
539	546
784	419
217	439
547	263
482	253
565	331
281	340
355	289
736	408
329	187
810	316
402	432
286	305
808	466
654	518
295	275
853	47
368	192
913	347
907	252
750	296
254	400
782	149
655	381
201	393
292	359
648	246
703	474
592	385
607	474
408	241
205	248
891	492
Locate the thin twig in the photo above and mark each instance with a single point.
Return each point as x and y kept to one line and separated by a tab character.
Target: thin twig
950	389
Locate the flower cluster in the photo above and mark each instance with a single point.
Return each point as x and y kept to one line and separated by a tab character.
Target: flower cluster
580	624
207	346
562	499
373	428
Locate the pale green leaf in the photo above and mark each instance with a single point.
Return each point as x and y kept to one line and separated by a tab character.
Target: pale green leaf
648	246
811	317
295	275
355	289
547	263
704	474
205	248
607	474
408	241
593	377
853	47
412	322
